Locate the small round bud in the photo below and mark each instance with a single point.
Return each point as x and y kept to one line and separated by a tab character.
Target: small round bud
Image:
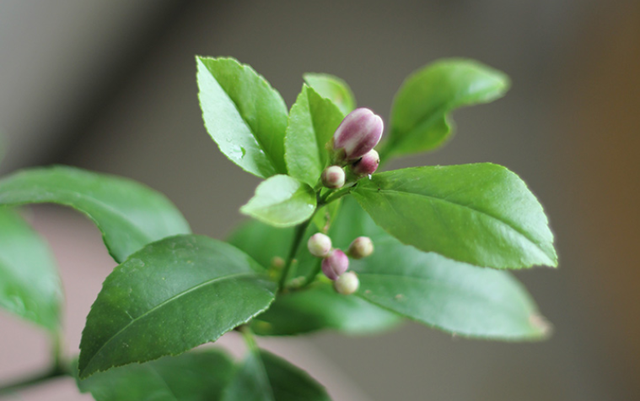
358	133
333	177
335	264
367	164
277	262
361	247
347	284
319	245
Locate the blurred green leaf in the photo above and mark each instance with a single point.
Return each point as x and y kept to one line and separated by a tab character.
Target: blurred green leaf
129	215
333	88
266	377
169	297
194	376
428	288
420	112
281	201
29	284
312	122
482	214
244	115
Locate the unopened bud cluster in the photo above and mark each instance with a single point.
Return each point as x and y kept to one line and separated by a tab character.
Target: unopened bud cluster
352	145
335	262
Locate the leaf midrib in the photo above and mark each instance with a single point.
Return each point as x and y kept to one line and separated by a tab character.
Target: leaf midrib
516	230
162	304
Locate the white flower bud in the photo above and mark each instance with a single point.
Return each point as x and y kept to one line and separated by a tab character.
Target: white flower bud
333	177
358	133
361	247
319	245
347	283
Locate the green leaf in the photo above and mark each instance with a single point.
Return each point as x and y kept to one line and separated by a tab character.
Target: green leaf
482	214
333	88
266	377
281	201
194	376
169	297
29	284
312	123
244	115
318	308
129	215
426	287
419	115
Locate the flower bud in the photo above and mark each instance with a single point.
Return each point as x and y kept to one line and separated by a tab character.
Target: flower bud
357	134
319	245
366	165
347	284
335	264
333	177
361	247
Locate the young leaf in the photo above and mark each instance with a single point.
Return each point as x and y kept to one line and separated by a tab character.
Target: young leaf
419	115
244	115
266	377
482	214
426	287
312	123
194	376
169	297
333	88
281	201
318	308
29	282
128	214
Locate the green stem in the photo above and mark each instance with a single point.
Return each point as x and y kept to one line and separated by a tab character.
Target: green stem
249	339
297	239
56	371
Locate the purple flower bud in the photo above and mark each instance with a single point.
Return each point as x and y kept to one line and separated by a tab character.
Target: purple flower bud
361	247
368	164
335	264
347	284
357	134
333	177
319	245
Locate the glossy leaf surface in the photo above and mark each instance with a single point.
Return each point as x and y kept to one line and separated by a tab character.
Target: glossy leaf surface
419	115
428	288
129	215
312	123
194	376
482	214
29	284
169	297
244	115
333	88
266	377
281	201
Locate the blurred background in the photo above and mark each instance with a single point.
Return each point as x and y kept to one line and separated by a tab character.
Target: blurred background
110	86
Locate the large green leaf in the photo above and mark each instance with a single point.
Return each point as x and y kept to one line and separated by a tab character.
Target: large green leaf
419	116
281	201
128	214
29	282
333	88
244	115
194	376
482	214
266	377
169	297
312	123
426	287
316	308
319	308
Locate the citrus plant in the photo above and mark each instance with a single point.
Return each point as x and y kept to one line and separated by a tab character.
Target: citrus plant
332	243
